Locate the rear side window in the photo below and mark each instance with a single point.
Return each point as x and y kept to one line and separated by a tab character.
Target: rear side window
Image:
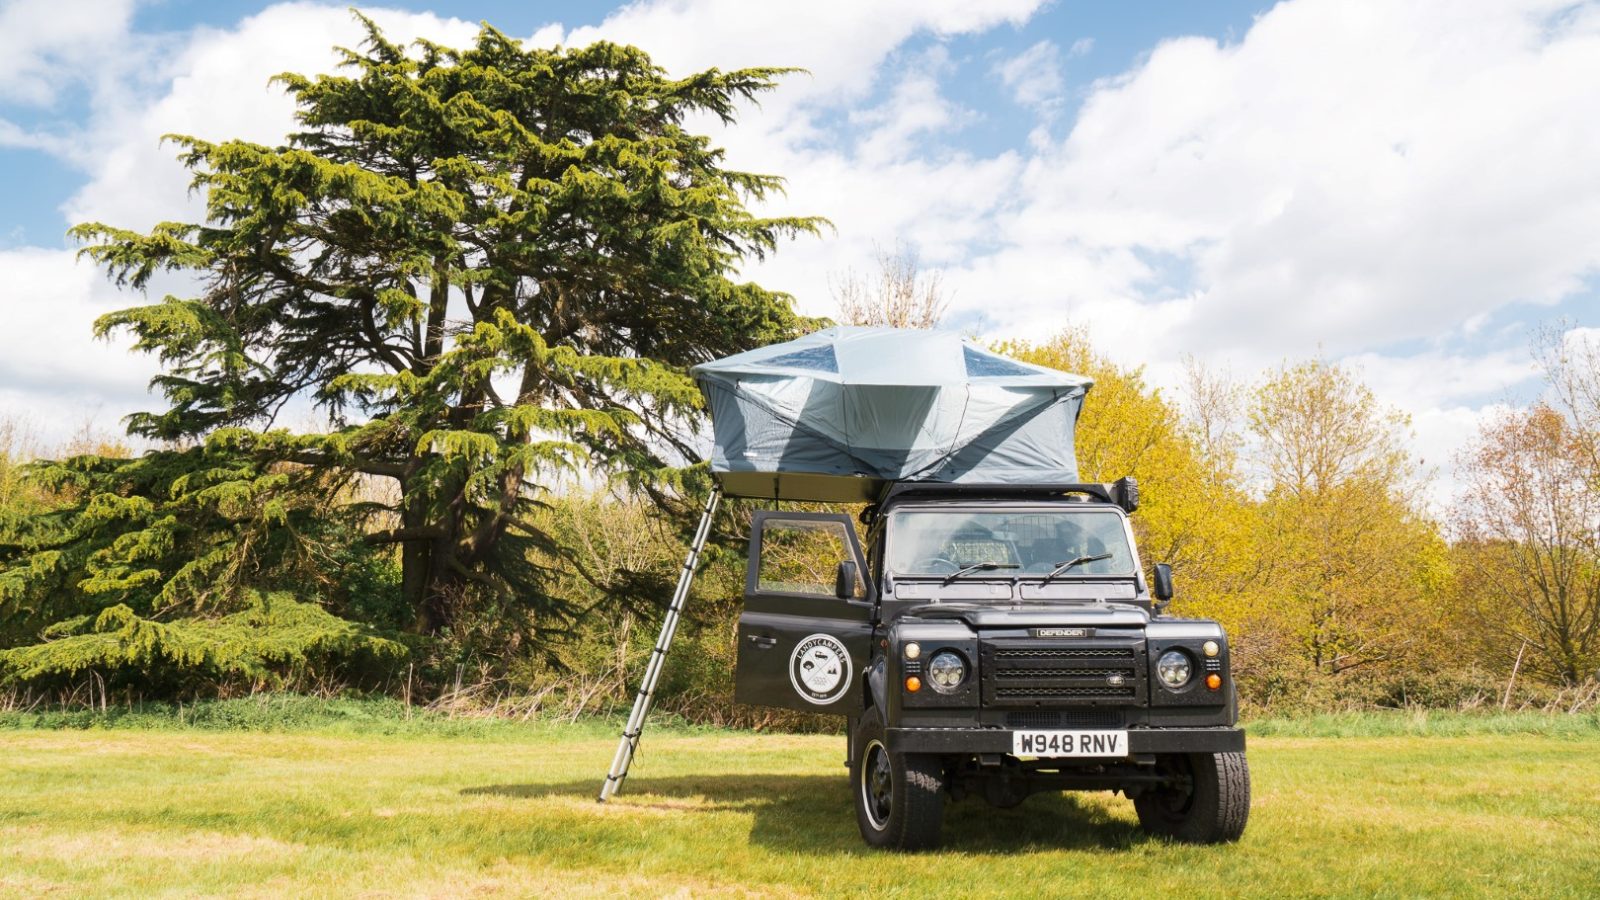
802	557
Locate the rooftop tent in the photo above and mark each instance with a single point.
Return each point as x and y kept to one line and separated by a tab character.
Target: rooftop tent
835	415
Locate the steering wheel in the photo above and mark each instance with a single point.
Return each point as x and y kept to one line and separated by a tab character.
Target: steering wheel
947	565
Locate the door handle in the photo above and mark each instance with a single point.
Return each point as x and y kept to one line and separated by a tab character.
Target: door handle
763	642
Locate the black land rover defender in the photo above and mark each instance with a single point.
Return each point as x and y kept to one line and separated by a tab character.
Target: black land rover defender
994	641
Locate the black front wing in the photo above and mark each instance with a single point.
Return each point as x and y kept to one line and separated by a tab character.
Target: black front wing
998	740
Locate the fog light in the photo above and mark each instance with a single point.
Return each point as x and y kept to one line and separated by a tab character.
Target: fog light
1211	648
913	650
913	684
1213	681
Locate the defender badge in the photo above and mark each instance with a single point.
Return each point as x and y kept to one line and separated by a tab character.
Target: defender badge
1060	632
819	669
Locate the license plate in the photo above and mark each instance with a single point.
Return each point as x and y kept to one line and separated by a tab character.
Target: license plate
1069	743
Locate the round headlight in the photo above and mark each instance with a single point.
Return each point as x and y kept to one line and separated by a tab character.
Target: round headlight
1174	668
946	671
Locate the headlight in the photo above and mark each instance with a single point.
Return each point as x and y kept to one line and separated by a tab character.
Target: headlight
1174	668
946	671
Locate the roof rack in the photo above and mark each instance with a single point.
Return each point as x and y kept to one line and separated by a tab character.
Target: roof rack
1123	492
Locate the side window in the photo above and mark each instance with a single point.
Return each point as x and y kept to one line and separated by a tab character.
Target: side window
801	556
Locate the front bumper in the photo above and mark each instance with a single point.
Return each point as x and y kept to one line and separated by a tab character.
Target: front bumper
998	740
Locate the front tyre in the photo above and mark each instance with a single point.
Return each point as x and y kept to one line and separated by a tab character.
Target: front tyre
1209	806
899	797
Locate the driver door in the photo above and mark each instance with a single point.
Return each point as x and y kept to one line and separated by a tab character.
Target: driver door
801	646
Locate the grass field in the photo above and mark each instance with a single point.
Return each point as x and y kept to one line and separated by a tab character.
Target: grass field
437	809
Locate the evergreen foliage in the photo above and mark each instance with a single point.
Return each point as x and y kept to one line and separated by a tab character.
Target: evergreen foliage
154	569
490	268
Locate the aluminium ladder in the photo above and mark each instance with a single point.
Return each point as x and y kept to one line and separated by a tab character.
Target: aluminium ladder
629	744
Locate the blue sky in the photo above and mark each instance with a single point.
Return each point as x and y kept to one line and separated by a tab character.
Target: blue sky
36	182
1407	188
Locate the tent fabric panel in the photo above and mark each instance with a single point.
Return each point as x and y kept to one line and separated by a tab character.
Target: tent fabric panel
841	412
762	433
1018	449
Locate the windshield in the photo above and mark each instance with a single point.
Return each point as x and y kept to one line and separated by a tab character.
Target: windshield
1034	542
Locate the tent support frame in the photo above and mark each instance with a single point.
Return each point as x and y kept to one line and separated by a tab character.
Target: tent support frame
629	744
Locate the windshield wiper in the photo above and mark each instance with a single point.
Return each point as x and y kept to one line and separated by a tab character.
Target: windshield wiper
1064	566
978	567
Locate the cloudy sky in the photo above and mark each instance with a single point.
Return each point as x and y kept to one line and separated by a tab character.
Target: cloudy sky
1412	188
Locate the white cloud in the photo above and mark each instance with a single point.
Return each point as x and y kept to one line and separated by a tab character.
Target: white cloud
915	107
1437	379
45	45
840	42
51	371
1034	75
13	135
1440	433
1349	173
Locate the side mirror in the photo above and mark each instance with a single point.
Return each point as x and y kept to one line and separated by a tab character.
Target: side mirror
1163	585
844	582
1125	493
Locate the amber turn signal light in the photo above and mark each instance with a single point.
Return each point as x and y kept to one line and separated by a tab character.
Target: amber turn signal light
913	684
1213	681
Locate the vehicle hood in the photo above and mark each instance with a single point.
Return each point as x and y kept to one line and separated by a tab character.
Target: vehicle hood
1026	615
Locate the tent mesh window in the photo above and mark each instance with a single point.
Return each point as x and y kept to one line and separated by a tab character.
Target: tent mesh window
983	365
816	359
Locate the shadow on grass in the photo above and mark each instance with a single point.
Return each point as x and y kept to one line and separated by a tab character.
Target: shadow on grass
815	813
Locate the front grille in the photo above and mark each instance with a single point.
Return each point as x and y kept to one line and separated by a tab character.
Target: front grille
1065	653
1127	673
1029	673
1065	691
1065	718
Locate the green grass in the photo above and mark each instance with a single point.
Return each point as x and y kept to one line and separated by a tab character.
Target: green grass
354	802
376	715
1431	723
289	713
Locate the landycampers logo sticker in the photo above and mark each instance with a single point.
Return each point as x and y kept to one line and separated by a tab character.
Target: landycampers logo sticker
819	669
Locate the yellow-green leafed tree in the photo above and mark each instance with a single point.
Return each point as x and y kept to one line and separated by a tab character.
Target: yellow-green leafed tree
1351	571
1192	515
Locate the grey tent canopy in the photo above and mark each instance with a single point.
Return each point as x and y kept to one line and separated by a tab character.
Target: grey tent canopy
837	414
